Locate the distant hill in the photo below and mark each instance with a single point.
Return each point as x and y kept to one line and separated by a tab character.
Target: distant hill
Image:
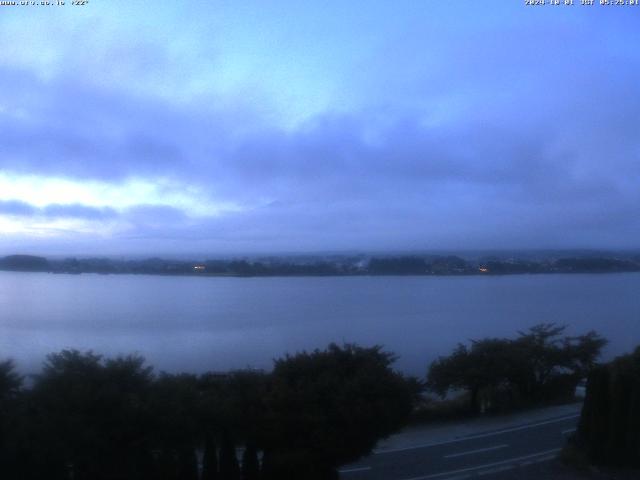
24	263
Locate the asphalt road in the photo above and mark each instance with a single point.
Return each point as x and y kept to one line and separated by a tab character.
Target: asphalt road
478	455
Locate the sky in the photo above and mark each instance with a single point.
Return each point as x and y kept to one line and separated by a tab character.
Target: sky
237	127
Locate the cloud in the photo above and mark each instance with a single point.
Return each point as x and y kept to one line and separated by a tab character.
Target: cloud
433	137
79	211
17	208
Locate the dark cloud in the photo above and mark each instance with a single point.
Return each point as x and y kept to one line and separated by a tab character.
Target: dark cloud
22	209
16	208
60	128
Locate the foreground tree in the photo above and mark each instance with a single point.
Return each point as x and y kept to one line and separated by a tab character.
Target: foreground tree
486	364
250	463
173	406
330	407
548	366
540	365
231	414
10	386
210	459
10	381
90	417
609	428
229	466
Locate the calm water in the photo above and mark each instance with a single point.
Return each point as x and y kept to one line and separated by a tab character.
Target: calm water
186	323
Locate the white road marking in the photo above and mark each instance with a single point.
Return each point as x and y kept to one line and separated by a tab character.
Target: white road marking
568	430
481	435
355	469
545	458
480	450
495	470
549	454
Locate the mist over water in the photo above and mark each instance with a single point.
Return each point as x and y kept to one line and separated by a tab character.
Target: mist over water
197	324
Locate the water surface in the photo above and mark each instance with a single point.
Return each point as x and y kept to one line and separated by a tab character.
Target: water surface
196	324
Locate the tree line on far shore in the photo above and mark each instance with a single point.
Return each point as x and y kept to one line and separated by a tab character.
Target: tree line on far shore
84	416
336	265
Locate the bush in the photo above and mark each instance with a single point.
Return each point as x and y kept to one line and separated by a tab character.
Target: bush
91	418
609	428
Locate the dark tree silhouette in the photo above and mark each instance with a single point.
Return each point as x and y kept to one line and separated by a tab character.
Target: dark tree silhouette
539	365
550	366
330	407
609	428
91	418
10	381
487	364
10	428
250	464
173	405
398	266
229	466
210	459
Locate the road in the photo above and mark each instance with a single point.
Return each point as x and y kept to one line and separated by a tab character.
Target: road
477	455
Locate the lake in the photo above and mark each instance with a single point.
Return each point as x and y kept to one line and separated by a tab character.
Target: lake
208	323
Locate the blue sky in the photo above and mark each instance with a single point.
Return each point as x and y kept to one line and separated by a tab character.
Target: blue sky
240	127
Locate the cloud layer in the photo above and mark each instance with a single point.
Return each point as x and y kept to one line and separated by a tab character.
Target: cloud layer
426	129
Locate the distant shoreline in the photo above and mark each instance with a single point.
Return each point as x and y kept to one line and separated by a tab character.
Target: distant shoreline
336	266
